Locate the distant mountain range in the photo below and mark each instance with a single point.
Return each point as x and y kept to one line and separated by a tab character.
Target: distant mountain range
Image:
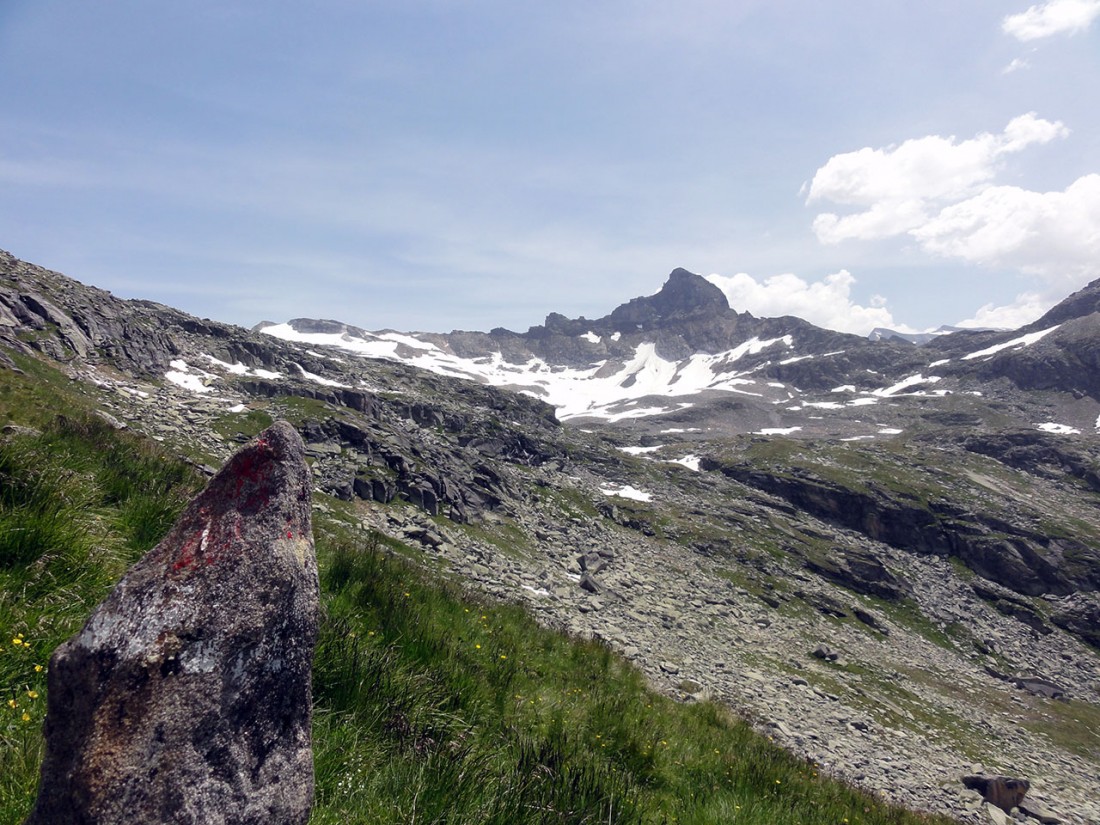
679	353
882	333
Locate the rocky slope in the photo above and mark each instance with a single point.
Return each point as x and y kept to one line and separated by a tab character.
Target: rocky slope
927	539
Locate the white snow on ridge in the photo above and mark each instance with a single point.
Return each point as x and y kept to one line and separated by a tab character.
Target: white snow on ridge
591	337
1022	341
597	390
906	383
777	431
689	461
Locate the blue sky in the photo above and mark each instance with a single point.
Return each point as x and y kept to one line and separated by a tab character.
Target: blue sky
442	164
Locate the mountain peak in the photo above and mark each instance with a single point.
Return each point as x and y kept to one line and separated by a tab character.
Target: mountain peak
684	295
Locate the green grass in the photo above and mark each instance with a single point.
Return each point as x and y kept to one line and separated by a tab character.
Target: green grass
79	503
432	705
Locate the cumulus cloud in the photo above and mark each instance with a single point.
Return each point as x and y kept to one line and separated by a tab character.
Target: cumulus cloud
1050	18
827	303
1052	234
1026	308
941	193
900	187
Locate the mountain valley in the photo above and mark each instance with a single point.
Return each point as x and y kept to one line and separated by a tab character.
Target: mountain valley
885	555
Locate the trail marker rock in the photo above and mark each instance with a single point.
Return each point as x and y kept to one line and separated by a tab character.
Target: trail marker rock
186	696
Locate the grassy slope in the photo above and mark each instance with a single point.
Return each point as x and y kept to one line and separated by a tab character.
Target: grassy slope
431	705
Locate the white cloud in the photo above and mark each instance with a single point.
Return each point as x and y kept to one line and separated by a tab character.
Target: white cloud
1017	64
901	187
827	303
1050	18
1052	234
942	194
1026	308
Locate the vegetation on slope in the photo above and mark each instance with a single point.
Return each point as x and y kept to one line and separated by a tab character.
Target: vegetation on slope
431	705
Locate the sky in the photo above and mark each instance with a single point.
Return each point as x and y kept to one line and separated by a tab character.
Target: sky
433	165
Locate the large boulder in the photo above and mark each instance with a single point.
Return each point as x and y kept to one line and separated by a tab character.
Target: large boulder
186	696
1002	791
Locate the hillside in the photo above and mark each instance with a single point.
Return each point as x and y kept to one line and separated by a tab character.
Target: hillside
938	535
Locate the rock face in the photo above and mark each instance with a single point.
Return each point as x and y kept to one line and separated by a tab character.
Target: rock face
186	696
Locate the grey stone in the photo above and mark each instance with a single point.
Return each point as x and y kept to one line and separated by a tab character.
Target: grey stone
823	652
590	584
1037	810
186	696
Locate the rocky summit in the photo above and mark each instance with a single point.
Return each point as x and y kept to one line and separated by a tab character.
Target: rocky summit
886	554
186	696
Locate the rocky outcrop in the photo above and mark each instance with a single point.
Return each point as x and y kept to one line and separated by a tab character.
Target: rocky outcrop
1080	614
1000	548
186	696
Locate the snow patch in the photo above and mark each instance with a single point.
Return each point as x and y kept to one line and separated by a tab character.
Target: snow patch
689	461
777	431
590	337
890	431
1022	341
1060	429
906	383
844	388
182	375
626	491
640	450
318	379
